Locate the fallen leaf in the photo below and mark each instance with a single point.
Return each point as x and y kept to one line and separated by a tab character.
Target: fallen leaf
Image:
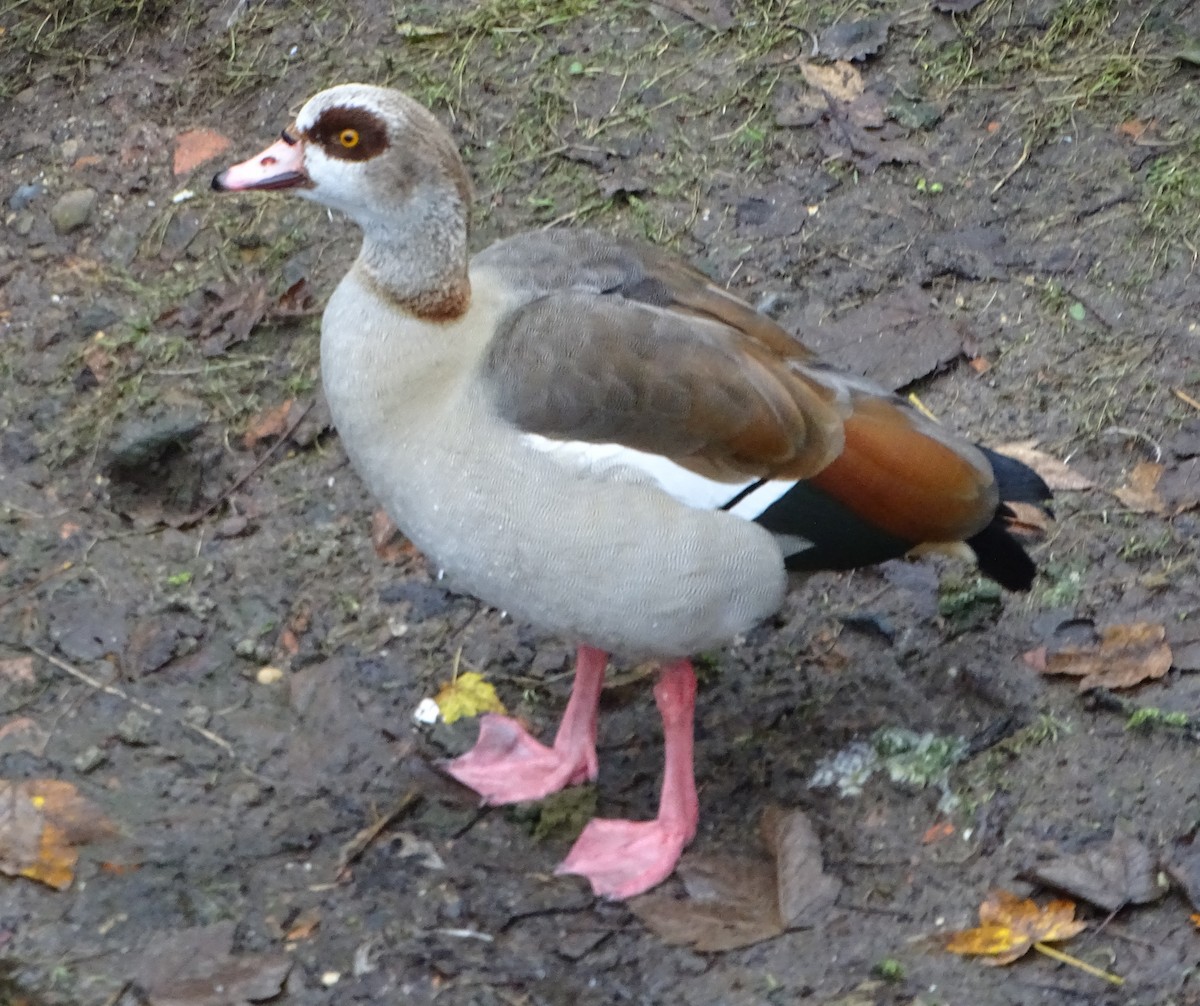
840	80
1182	862
894	339
268	424
1119	873
734	902
1125	655
1140	494
730	903
196	967
467	695
42	821
1009	926
297	301
1056	474
389	544
854	40
196	146
804	889
1133	128
936	832
221	315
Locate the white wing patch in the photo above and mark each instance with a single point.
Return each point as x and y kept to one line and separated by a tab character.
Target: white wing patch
684	485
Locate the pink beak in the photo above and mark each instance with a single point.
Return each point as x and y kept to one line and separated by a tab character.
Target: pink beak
280	166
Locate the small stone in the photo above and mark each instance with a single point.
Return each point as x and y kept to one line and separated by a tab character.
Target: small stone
269	676
23	224
89	760
24	195
69	150
145	440
197	716
73	210
135	729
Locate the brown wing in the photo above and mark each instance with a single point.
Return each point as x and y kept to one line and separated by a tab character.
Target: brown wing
619	345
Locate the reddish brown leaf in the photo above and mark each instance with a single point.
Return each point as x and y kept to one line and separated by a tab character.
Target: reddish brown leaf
1140	493
268	424
1124	656
389	544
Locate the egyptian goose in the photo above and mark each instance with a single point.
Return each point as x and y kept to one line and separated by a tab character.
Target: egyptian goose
596	438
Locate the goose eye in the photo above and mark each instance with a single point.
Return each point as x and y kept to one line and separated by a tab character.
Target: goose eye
348	138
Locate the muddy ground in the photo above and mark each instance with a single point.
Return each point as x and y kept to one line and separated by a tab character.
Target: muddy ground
1006	223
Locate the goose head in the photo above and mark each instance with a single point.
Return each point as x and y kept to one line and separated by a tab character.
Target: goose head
385	161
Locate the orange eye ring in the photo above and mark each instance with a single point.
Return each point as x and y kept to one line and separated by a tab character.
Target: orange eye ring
348	138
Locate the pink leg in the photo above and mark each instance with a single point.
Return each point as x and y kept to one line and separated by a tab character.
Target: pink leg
624	858
507	765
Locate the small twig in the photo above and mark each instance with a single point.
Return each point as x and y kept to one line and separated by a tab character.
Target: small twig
1075	962
1014	169
1183	396
360	842
191	520
100	686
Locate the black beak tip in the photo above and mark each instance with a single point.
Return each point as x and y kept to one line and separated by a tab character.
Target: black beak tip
217	184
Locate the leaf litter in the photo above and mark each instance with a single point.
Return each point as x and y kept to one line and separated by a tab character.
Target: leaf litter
1009	926
1121	657
737	901
197	967
43	822
1121	872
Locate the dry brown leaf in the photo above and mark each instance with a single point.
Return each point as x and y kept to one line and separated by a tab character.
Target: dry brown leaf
196	146
1056	474
1118	873
1140	493
735	902
268	424
805	890
42	822
839	80
1125	655
196	967
389	544
1009	926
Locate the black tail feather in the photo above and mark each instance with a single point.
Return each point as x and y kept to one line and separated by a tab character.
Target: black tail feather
1000	555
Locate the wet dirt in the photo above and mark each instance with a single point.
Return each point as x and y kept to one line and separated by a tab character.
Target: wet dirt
1004	263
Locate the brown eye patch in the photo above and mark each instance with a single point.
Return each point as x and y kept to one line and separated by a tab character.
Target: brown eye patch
351	134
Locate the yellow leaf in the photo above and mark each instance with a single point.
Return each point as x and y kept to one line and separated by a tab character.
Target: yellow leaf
1009	926
42	823
467	695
